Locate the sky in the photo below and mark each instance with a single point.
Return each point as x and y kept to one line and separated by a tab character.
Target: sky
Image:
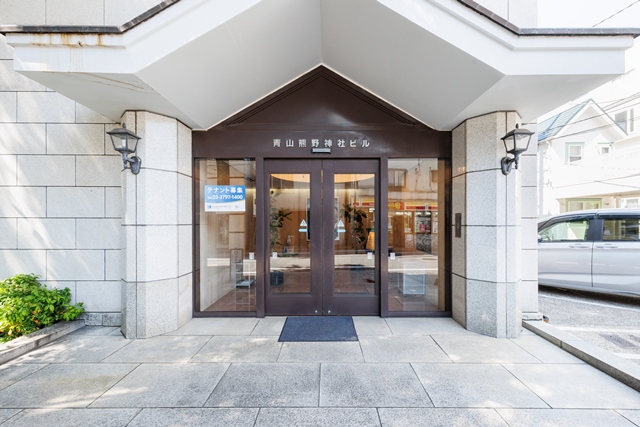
588	13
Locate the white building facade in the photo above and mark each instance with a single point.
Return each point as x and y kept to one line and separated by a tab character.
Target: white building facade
589	153
396	108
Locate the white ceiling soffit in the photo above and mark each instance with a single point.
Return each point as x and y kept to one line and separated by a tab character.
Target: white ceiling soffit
203	60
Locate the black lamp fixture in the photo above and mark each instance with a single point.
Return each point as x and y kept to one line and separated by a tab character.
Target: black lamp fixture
516	142
125	142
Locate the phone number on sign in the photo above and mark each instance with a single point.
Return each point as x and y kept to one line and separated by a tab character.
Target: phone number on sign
226	197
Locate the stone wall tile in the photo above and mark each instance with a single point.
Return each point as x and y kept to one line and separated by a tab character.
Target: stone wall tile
111	319
484	147
529	264
23	202
158	257
87	115
185	299
117	12
459	196
486	198
8	233
6	51
530	233
185	249
75	12
185	200
486	253
98	171
529	202
113	265
8	168
45	107
14	12
75	202
13	81
42	170
14	262
98	234
459	150
113	200
8	107
129	254
158	310
459	251
159	146
75	265
185	160
19	138
486	308
46	233
459	299
529	296
152	208
75	139
527	168
99	296
129	307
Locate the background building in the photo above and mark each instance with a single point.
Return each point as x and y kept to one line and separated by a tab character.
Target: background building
589	153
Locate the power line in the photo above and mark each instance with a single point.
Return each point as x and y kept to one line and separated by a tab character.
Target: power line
617	13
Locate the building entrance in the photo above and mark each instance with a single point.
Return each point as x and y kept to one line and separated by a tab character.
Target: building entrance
321	238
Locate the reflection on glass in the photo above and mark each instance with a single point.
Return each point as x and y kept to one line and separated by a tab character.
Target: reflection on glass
354	234
416	235
225	229
289	244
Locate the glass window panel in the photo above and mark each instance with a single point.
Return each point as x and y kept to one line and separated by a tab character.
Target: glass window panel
289	243
354	234
415	228
226	234
622	229
566	231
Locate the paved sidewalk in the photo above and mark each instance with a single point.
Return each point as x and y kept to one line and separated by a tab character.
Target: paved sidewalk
234	372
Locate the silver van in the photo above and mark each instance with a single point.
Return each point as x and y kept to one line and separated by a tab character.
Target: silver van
596	250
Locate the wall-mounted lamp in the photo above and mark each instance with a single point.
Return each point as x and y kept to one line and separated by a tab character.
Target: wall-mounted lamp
125	142
516	142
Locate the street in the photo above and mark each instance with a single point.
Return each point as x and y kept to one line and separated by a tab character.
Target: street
609	321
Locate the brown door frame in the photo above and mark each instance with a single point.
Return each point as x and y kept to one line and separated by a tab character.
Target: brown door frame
347	304
322	299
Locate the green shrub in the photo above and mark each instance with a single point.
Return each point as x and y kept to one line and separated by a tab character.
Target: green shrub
26	305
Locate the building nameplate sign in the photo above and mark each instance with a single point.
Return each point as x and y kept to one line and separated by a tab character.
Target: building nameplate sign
317	143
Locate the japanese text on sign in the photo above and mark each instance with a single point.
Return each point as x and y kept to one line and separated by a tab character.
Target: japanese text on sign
224	198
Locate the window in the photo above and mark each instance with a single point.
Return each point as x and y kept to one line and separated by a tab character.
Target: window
631	203
574	152
582	204
621	229
621	119
225	235
566	231
605	148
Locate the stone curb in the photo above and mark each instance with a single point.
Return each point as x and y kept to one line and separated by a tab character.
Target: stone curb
25	344
622	370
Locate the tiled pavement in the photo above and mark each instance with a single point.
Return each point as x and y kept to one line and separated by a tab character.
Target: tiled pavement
234	372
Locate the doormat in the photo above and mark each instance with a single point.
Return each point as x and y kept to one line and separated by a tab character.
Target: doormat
316	328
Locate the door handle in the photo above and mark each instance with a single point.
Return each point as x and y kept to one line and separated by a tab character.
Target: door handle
579	246
606	246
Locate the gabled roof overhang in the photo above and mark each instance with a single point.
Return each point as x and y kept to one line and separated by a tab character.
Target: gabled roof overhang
201	61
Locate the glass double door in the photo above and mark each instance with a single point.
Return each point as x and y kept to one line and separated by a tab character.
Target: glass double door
321	237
